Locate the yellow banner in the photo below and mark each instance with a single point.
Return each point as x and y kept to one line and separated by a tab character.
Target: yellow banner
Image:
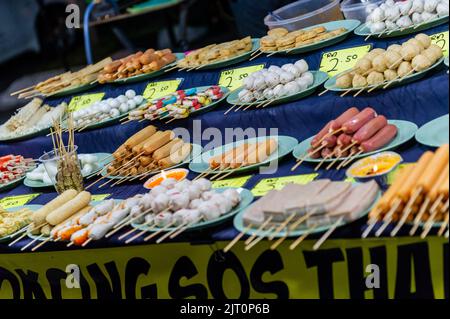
373	268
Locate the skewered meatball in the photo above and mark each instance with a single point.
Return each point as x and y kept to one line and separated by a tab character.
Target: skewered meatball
417	43
359	81
379	63
363	65
393	60
424	39
420	63
404	68
390	75
344	81
409	51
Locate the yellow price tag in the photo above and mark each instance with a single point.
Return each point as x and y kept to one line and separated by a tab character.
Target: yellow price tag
441	40
350	180
156	90
99	197
268	184
83	101
338	61
17	201
233	79
232	182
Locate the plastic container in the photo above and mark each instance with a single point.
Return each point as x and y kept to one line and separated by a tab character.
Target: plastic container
359	9
304	13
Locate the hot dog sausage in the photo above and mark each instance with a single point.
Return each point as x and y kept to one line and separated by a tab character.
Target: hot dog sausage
330	141
176	158
370	129
326	152
356	122
262	152
344	140
140	136
380	139
436	165
324	131
168	149
151	146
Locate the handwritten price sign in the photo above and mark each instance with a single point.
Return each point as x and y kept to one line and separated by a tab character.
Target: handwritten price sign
441	40
233	79
82	101
268	184
156	90
17	201
99	197
338	61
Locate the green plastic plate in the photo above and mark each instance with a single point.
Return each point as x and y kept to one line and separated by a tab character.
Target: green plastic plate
331	83
350	25
75	90
319	78
101	161
364	31
406	131
147	76
196	152
434	133
246	200
239	225
15	209
285	145
27	136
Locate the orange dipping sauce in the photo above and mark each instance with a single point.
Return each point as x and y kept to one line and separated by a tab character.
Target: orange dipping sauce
177	174
375	165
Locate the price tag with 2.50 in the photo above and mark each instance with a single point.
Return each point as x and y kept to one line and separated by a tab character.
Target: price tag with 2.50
338	61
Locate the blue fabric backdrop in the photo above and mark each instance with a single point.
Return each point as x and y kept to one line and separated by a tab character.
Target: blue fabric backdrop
418	102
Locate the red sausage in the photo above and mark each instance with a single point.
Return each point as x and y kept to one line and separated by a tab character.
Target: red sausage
358	121
330	141
344	154
344	140
315	155
370	129
321	134
383	137
343	118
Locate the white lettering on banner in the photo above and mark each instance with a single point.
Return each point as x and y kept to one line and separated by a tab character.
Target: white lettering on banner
373	279
73	276
73	19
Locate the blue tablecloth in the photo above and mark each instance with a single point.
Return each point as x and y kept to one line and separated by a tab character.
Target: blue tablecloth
418	102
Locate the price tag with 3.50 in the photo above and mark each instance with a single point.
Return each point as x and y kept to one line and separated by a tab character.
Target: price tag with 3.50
441	40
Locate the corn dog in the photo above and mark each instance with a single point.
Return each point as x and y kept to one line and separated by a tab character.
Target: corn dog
69	208
139	137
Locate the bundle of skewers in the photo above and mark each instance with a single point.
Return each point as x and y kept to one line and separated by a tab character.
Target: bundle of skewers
392	16
263	87
68	170
382	68
280	39
300	210
418	196
215	53
31	118
108	109
145	153
136	64
348	136
14	167
238	157
66	81
178	105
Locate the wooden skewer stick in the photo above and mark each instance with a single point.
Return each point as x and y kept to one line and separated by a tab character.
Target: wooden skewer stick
323	92
254	52
281	227
350	159
388	217
159	231
25	233
23	90
302	237
70	244
32	242
305	156
443	226
229	110
434	211
257	240
166	235
142	232
227	174
263	225
371	223
328	233
402	221
41	244
237	238
413	199
323	161
256	55
86	242
184	228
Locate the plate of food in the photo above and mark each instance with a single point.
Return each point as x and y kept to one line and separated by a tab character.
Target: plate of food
182	104
301	210
281	41
398	65
434	133
14	220
217	56
13	169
